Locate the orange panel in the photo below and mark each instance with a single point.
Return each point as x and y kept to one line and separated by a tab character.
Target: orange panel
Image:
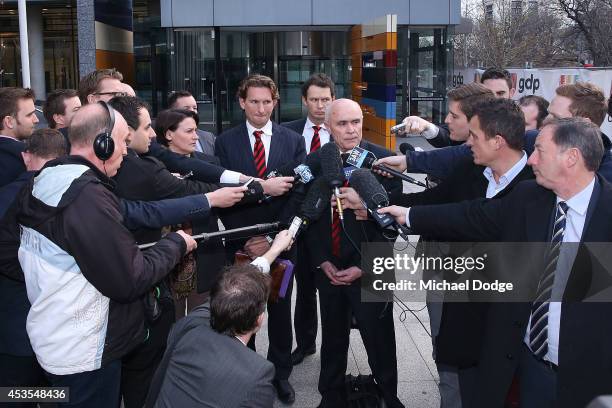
357	98
380	125
356	75
357	87
124	63
356	61
356	46
356	32
384	41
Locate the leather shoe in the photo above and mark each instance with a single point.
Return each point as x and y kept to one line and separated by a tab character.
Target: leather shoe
299	354
284	391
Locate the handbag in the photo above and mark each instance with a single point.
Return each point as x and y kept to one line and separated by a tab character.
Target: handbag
363	392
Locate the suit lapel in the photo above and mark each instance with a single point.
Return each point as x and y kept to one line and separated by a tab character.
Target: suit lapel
276	144
244	147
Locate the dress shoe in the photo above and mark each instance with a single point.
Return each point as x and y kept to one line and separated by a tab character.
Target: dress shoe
299	354
284	391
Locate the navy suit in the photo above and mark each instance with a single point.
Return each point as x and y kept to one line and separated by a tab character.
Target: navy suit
296	125
524	215
11	163
287	148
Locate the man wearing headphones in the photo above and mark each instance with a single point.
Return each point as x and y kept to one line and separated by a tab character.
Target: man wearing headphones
83	270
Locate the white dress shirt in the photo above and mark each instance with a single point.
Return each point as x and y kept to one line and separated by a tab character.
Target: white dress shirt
574	226
495	187
266	137
308	134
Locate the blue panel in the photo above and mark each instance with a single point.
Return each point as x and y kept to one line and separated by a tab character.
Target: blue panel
380	92
428	12
116	13
385	110
356	11
261	12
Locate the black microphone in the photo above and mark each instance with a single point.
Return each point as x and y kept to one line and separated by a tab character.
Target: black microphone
312	207
331	169
406	147
301	174
374	197
362	158
236	233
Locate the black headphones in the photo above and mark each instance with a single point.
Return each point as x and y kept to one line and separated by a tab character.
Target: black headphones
104	145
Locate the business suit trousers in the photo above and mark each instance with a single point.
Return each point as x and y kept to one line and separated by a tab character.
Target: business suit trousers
375	321
305	318
21	371
538	382
280	335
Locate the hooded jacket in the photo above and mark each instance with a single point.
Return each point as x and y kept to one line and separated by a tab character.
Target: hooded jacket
83	270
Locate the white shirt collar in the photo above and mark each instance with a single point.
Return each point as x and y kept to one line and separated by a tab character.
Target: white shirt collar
580	201
309	124
508	176
10	137
267	129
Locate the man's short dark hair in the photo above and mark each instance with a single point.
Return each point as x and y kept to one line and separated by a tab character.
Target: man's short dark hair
502	117
174	96
588	100
257	81
46	143
169	120
497	73
579	133
322	81
55	104
89	84
129	107
540	103
238	298
468	95
9	96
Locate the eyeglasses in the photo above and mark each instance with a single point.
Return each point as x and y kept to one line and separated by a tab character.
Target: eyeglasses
115	94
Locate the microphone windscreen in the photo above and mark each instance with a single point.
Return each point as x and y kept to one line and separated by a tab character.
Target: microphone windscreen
405	147
331	164
369	189
316	200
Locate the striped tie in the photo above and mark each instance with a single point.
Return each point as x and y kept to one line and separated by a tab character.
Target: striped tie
316	140
538	333
259	155
336	230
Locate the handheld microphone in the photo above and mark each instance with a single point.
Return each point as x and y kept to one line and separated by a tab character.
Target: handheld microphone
362	158
398	128
374	197
331	167
301	174
406	147
312	207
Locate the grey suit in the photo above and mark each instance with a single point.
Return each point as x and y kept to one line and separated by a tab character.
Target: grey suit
204	368
206	142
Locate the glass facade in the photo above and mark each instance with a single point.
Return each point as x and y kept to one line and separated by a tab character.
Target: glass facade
60	46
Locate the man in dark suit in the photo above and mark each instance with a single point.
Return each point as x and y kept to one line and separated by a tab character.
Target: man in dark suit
17	122
317	93
146	178
559	349
340	276
207	362
185	100
256	148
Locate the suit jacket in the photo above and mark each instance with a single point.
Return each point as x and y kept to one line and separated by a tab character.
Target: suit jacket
11	163
459	341
296	125
203	368
524	215
177	163
207	142
318	235
233	148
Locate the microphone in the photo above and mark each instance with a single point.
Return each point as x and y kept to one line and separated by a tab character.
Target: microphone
236	233
362	158
406	147
301	174
312	207
398	128
331	169
374	197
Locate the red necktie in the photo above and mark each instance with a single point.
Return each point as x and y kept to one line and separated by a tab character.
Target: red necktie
336	230
316	140
259	155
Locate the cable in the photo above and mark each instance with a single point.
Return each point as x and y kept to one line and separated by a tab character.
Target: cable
405	309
